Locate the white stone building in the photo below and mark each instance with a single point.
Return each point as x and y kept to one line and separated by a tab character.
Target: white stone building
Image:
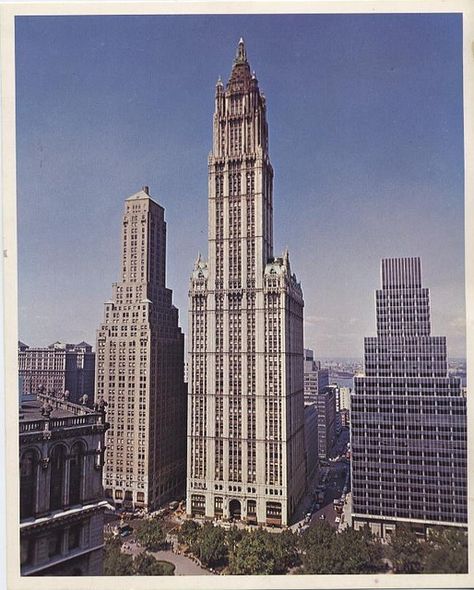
246	456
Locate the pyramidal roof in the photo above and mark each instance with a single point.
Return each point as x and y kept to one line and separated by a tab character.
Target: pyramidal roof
144	193
141	194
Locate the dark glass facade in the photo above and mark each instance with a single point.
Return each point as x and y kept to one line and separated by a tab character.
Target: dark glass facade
409	440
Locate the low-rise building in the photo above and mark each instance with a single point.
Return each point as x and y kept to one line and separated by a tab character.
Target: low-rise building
57	369
61	496
345	398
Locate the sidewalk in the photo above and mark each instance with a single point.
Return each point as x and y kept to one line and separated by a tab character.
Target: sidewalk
305	502
184	565
346	520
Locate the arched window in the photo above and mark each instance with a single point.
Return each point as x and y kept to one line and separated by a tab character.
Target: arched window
76	468
56	489
28	483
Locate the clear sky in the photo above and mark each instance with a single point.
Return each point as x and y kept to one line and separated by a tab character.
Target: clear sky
366	140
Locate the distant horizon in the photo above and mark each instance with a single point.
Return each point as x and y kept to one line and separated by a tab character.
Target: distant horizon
316	358
366	139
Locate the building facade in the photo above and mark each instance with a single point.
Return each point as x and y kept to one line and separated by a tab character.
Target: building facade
327	421
311	442
61	495
408	417
140	363
246	457
56	369
315	378
345	398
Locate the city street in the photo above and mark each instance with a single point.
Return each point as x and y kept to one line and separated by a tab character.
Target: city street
333	476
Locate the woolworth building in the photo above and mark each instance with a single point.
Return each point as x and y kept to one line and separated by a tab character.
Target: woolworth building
246	456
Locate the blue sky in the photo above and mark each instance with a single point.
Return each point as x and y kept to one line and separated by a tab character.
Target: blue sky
366	140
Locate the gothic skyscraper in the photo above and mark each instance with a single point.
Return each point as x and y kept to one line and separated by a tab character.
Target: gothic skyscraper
140	361
246	455
408	416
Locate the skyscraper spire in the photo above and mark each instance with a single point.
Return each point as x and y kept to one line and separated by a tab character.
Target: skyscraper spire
241	54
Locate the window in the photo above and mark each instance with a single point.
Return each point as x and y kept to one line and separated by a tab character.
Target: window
218	505
28	479
76	463
58	458
274	512
198	504
74	537
27	547
54	543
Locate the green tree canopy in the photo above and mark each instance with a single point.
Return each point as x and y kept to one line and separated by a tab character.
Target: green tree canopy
233	537
188	532
116	563
209	544
284	547
146	565
151	535
324	551
361	551
319	549
406	552
252	555
447	552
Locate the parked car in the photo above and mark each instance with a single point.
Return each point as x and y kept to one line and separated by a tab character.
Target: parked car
125	530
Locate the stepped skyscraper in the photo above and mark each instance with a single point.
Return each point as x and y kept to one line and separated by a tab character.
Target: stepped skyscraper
246	456
140	364
408	416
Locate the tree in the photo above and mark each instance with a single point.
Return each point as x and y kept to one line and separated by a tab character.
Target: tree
319	551
151	535
252	555
284	547
233	538
188	532
324	551
116	563
406	552
209	544
447	552
362	552
146	565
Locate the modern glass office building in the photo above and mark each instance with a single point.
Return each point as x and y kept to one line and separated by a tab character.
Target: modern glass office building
408	416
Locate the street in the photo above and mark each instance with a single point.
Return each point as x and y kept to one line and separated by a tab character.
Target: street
333	476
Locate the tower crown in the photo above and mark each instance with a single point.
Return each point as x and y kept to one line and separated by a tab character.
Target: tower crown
241	54
240	76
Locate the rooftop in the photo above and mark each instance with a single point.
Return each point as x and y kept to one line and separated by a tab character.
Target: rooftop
47	414
32	408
